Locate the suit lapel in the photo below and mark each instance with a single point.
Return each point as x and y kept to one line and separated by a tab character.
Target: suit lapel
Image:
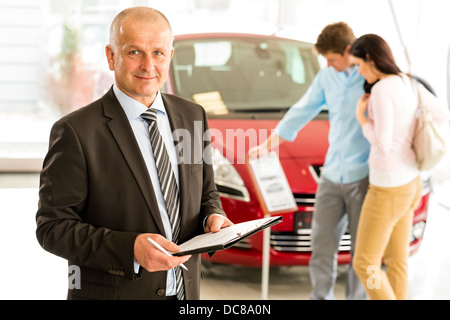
177	122
123	134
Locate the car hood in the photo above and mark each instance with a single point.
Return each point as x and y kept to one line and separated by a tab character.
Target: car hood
235	137
301	159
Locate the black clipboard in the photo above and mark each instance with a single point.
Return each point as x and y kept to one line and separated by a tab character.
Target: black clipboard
225	238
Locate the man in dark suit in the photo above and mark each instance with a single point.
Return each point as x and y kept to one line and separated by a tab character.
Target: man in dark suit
100	197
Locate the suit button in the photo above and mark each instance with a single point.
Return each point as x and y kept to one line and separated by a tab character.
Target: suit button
161	292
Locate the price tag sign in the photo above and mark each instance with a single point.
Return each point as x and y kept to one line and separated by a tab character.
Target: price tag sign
273	190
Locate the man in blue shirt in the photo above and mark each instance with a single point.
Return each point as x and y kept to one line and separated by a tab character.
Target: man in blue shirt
344	179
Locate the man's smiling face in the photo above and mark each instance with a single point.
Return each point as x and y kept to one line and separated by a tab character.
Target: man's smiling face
141	58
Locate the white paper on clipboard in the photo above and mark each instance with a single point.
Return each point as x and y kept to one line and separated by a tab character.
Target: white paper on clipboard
226	237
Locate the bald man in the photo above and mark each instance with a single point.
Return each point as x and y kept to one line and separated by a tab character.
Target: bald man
100	195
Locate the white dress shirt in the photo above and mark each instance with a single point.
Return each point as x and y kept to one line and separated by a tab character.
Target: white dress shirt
133	110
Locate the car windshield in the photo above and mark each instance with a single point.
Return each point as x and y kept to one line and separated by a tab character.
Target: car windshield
229	75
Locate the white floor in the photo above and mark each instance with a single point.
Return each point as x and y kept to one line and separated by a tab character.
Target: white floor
28	272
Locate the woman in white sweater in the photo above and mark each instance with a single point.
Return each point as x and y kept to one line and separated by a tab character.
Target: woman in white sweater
395	184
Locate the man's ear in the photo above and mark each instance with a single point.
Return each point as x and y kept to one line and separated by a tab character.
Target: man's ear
346	52
110	57
347	49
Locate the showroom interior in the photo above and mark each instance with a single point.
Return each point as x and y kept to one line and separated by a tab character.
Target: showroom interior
40	39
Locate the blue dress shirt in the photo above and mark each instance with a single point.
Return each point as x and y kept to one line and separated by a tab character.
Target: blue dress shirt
347	156
133	109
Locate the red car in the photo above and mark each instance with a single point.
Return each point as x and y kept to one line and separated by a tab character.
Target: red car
246	83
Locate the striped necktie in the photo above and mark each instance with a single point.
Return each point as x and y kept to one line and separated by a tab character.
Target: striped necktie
168	186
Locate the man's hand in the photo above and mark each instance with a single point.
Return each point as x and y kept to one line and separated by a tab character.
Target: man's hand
216	222
258	151
152	259
264	148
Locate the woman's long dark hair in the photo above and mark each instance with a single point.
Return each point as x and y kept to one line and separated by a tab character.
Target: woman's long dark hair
371	47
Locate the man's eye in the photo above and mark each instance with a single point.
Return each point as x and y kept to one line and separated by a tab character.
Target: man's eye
134	52
158	53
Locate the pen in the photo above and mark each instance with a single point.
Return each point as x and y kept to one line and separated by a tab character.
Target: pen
157	246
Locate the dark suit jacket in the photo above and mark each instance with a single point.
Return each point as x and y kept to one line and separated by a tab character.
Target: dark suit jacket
96	197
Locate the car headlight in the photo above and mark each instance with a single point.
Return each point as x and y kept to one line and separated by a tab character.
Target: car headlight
228	181
418	230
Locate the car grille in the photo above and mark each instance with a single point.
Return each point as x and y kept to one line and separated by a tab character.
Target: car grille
301	242
305	199
300	239
288	242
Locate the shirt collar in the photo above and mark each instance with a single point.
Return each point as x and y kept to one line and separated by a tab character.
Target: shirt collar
133	108
350	70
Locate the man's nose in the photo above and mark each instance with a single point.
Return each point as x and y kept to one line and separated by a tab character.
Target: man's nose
147	63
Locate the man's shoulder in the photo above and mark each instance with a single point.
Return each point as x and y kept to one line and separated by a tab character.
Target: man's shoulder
332	72
189	107
84	114
326	76
329	78
179	100
327	72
